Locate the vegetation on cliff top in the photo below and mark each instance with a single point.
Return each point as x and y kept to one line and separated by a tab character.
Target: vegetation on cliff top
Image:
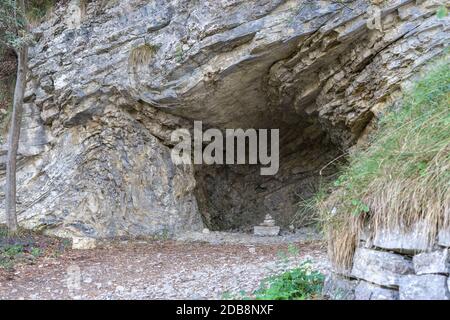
402	177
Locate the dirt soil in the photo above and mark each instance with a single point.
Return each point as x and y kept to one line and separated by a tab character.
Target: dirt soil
156	270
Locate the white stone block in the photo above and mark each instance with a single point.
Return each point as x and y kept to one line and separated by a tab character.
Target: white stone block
266	231
83	243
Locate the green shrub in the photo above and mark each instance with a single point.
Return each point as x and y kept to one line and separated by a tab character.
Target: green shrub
36	252
26	246
12	250
301	283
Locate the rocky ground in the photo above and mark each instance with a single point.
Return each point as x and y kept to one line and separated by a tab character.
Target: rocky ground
214	266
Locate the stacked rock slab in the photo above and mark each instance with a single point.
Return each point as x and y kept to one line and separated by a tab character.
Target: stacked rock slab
412	270
267	228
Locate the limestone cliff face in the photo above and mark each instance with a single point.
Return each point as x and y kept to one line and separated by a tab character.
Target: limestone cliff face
110	80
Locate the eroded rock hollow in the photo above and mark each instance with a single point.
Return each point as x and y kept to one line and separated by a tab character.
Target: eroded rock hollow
110	81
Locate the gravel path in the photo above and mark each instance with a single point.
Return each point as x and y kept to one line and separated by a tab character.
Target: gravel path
159	269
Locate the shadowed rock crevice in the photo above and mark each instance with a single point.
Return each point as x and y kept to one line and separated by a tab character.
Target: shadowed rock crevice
238	197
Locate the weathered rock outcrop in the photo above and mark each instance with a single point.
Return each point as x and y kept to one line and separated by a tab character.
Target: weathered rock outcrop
109	81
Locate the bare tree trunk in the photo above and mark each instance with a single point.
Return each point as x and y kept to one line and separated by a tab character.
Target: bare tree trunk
13	136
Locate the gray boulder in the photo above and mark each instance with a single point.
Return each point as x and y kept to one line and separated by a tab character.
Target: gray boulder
368	291
337	287
444	237
264	231
382	268
424	287
432	262
406	240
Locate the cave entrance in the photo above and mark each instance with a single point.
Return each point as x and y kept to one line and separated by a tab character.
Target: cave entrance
237	197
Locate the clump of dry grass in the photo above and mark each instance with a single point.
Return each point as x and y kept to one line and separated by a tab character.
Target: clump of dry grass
403	177
142	55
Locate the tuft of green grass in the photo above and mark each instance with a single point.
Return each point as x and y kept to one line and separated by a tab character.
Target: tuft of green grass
26	246
179	54
442	12
36	252
37	10
12	250
403	176
307	213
